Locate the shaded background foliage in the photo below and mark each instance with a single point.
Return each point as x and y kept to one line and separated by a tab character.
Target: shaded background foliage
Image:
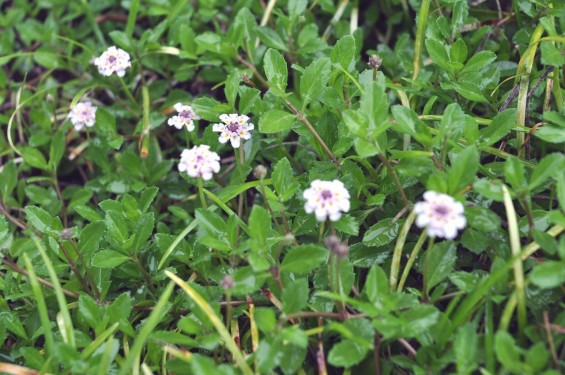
466	101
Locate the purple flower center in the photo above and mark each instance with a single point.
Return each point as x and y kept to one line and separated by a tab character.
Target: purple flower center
233	127
326	194
111	59
185	114
199	158
441	210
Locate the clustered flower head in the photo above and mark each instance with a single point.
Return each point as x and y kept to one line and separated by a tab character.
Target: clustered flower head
326	199
440	214
83	114
185	117
113	60
199	161
234	128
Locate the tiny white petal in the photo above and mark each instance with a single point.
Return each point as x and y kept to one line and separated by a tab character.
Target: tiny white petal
440	214
199	161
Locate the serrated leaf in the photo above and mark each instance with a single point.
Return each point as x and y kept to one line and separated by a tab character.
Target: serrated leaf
275	121
343	52
108	259
143	230
304	258
382	233
276	71
314	80
38	218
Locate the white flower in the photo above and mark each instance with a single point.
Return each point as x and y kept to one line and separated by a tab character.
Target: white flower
440	214
83	114
185	116
113	60
199	161
233	128
326	199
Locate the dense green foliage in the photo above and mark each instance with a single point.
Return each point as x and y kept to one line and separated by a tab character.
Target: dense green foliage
114	262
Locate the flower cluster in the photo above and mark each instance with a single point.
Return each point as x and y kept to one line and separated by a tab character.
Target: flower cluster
199	161
113	60
83	114
234	128
326	199
440	214
185	117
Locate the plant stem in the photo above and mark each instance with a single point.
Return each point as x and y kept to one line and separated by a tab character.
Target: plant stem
411	260
420	34
397	254
515	246
319	139
200	185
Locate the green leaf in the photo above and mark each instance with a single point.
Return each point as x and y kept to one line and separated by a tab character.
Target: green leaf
296	7
295	296
376	285
499	127
271	38
458	51
382	233
464	167
304	258
479	61
90	311
232	86
507	352
276	71
259	226
211	222
34	158
283	181
438	53
547	167
346	354
515	173
314	79
343	53
108	259
90	237
121	39
116	225
275	121
143	230
3	229
57	149
439	263
147	197
465	348
467	90
38	218
347	224
551	55
8	179
550	274
374	106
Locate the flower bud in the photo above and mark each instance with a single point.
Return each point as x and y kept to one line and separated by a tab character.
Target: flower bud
227	282
67	234
336	247
260	172
375	61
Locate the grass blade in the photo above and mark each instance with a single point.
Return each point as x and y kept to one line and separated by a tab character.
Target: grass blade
131	363
215	320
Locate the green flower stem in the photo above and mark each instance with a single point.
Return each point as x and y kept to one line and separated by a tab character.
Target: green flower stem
128	92
41	307
420	34
200	183
322	229
518	267
524	70
397	254
426	267
144	137
65	323
411	260
215	320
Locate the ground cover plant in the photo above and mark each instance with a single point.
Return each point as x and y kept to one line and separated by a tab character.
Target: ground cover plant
293	186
